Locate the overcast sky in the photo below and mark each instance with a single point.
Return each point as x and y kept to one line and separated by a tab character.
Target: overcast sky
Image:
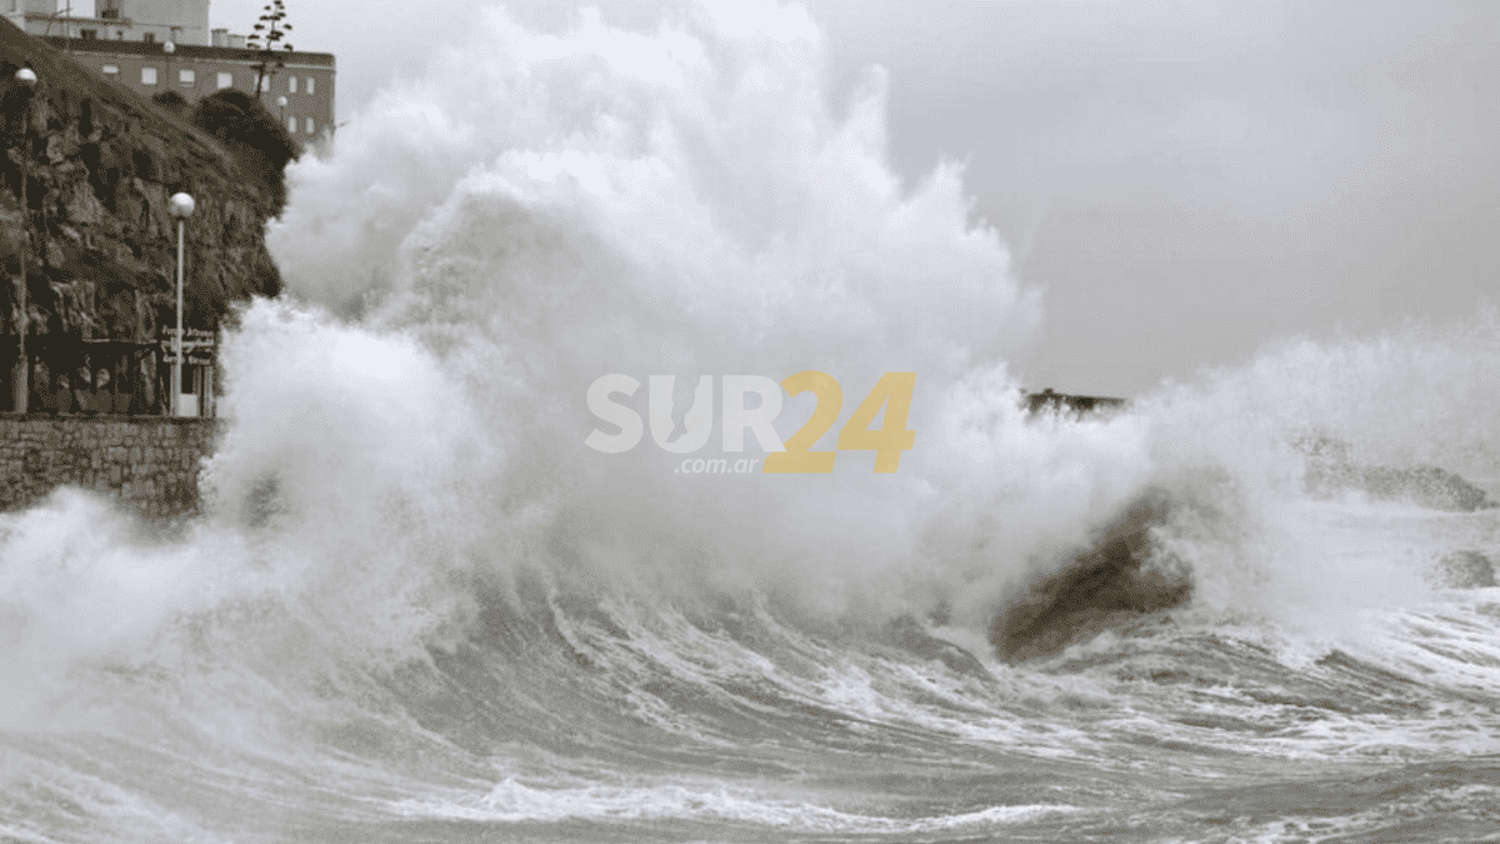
1188	181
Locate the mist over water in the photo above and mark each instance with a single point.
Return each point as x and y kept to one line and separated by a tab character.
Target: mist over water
418	607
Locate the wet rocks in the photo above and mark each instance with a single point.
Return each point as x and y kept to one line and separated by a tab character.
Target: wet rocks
1463	570
1113	581
1425	486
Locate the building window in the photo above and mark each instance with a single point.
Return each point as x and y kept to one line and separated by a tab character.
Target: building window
149	38
226	80
291	126
148	76
291	84
108	9
88	34
111	70
265	84
310	88
308	125
187	78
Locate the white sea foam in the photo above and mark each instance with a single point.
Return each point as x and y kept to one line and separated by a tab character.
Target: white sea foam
515	802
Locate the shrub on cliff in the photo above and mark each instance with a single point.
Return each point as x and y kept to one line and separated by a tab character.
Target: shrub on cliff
255	137
171	101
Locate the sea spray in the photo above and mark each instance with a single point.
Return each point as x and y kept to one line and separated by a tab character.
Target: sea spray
620	215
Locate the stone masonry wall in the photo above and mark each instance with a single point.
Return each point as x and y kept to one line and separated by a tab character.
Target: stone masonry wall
150	463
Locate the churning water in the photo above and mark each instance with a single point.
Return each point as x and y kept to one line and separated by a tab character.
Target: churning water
418	608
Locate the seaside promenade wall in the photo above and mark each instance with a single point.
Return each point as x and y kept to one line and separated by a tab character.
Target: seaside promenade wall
149	463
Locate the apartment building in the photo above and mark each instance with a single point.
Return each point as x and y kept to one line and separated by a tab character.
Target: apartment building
177	21
153	46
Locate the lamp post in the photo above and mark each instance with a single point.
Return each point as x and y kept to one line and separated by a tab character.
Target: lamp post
181	206
168	49
26	78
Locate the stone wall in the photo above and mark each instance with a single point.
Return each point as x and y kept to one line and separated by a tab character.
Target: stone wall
148	462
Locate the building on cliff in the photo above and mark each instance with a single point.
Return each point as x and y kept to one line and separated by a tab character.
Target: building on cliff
156	46
88	243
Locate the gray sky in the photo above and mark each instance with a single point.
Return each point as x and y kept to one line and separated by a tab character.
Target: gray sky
1188	181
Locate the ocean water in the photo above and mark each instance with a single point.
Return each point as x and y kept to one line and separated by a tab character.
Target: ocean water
417	607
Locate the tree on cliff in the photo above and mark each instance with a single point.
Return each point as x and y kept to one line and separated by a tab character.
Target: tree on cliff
255	137
269	31
171	101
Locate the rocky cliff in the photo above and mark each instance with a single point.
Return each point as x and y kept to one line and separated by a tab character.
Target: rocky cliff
100	163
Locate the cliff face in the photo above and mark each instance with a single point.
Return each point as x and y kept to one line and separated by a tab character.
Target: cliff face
100	164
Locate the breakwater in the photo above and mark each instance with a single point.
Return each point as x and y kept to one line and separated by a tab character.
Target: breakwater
149	463
1050	399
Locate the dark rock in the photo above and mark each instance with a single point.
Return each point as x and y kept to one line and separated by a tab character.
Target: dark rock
1425	486
1111	582
1464	570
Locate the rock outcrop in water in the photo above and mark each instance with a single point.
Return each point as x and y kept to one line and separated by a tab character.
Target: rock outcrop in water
1113	581
1464	570
1331	471
1425	486
101	162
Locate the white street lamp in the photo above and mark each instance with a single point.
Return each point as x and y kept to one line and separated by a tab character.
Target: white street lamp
181	206
26	78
